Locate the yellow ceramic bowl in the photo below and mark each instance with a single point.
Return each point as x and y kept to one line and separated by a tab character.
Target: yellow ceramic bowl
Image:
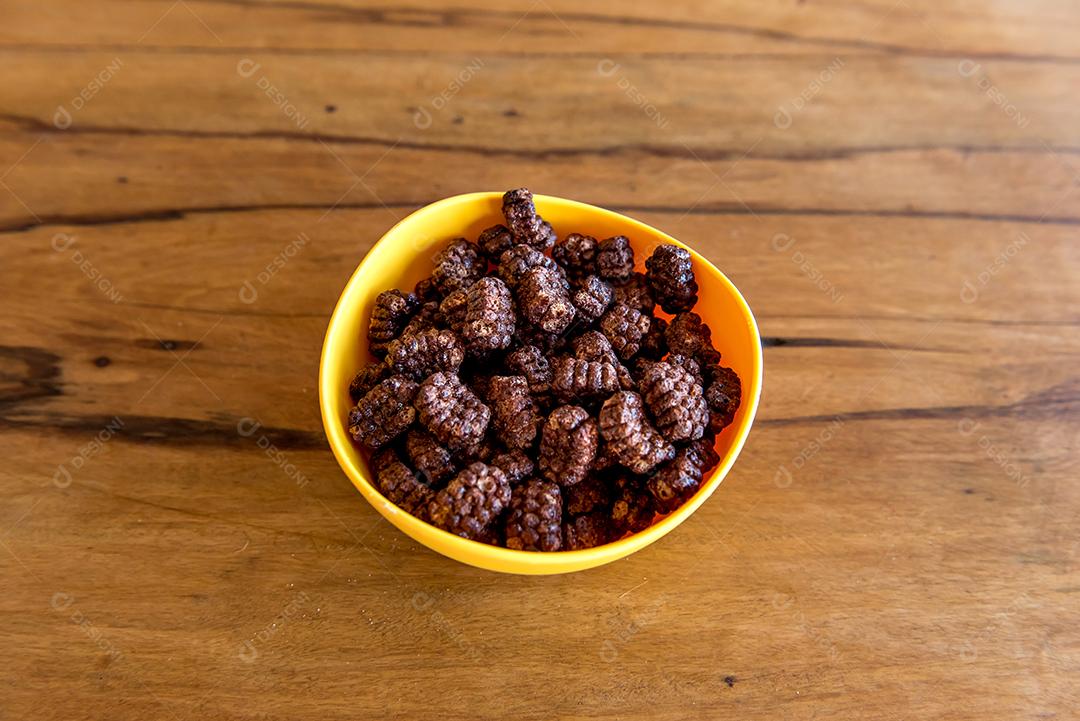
404	256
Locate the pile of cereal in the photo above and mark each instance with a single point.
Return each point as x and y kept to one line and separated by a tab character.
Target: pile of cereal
527	395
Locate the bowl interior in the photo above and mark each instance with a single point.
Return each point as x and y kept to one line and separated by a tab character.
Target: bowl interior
405	255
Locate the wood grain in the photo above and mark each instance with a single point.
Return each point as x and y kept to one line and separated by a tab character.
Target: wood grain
898	539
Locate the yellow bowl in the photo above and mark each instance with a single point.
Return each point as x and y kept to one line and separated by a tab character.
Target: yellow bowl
404	256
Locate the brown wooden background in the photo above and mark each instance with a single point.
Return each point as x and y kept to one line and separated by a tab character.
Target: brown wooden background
892	184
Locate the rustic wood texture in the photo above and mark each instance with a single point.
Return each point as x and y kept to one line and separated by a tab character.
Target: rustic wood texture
891	183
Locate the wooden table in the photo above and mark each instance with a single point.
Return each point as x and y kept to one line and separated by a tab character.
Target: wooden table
185	187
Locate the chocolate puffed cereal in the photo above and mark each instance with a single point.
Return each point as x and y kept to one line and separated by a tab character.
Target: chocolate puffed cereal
429	457
535	519
629	435
421	354
500	404
568	445
515	417
457	267
451	412
577	255
670	273
524	222
544	302
389	316
472	502
400	485
489	317
383	413
615	259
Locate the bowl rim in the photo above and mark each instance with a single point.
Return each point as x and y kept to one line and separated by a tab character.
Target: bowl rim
498	555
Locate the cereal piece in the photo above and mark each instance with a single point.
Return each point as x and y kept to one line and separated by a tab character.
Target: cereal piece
594	346
367	378
636	294
457	266
389	316
544	302
551	236
588	531
676	401
679	478
535	519
425	290
707	450
424	318
400	485
382	458
514	414
592	299
383	413
724	394
688	364
615	259
577	255
688	335
605	460
576	379
429	457
520	259
530	362
516	464
452	412
523	221
548	343
489	317
469	505
625	328
494	241
670	272
421	354
590	495
642	365
452	310
633	509
567	445
480	384
654	344
629	436
484	450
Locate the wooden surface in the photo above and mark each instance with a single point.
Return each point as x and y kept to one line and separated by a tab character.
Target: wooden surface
892	184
